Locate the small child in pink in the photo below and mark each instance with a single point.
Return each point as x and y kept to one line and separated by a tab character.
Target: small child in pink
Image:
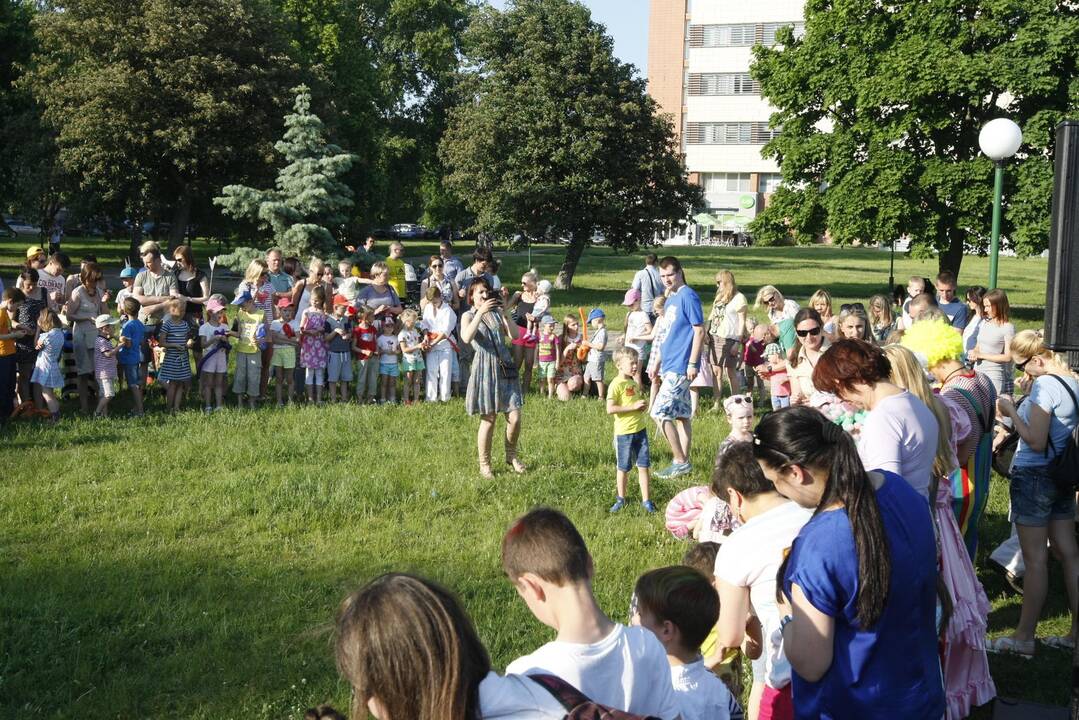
775	371
548	352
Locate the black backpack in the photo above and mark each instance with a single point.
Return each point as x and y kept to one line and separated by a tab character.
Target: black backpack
579	707
1064	467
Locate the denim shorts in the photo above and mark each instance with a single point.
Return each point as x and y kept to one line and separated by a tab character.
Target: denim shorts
632	449
130	373
1036	499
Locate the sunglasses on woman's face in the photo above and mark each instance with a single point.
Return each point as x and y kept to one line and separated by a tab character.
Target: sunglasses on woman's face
812	331
436	265
1022	367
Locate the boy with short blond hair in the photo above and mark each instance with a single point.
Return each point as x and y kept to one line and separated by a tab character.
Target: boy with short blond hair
681	607
627	402
621	667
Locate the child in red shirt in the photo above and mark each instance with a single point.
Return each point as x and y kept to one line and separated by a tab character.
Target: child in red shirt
365	350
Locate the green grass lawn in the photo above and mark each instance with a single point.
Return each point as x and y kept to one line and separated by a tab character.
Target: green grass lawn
190	566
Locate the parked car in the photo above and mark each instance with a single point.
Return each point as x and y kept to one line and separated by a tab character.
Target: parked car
408	230
20	226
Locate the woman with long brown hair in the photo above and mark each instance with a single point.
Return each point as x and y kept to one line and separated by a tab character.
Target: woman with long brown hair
727	331
410	652
992	355
806	353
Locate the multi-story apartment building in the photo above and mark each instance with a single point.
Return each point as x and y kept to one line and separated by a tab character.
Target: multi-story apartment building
699	53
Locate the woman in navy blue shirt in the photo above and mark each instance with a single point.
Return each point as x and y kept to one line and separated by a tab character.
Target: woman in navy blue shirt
861	636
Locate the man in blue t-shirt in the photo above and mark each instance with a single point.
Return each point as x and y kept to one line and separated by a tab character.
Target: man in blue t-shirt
679	358
952	307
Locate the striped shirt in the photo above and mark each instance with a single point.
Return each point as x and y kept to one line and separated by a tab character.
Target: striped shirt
104	365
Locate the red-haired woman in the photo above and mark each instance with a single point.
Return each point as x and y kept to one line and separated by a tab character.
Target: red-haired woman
900	433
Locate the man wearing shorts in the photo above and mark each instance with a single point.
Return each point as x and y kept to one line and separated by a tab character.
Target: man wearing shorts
680	356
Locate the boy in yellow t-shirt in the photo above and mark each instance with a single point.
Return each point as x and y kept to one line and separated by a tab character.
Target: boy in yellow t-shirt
628	404
396	265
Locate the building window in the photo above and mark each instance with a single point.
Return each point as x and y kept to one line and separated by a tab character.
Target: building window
741	35
726	182
769	182
723	84
729	133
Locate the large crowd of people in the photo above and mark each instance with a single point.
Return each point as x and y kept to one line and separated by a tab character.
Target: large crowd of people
832	549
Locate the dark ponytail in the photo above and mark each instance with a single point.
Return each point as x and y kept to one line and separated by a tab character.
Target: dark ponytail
803	436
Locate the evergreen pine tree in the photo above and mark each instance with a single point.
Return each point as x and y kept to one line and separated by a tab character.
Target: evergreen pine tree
308	199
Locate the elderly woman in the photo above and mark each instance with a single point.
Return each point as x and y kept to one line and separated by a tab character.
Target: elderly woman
900	433
87	302
781	312
379	296
806	353
494	385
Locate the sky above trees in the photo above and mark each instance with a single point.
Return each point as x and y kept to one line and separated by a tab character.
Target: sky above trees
627	23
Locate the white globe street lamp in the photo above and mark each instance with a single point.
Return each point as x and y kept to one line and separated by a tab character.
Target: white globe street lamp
999	140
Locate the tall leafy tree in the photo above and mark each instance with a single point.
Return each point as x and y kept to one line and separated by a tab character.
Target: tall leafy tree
308	201
553	135
880	105
159	102
380	73
31	181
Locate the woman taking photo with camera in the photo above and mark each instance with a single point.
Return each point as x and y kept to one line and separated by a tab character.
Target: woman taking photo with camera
493	385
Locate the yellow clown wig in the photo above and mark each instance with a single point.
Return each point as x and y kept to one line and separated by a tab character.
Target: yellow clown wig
934	342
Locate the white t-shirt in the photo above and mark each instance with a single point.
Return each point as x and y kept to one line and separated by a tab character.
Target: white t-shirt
636	325
412	339
387	349
208	334
515	697
900	435
626	670
52	284
751	557
278	326
701	695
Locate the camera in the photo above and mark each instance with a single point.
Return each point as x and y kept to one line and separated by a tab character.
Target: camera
493	295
